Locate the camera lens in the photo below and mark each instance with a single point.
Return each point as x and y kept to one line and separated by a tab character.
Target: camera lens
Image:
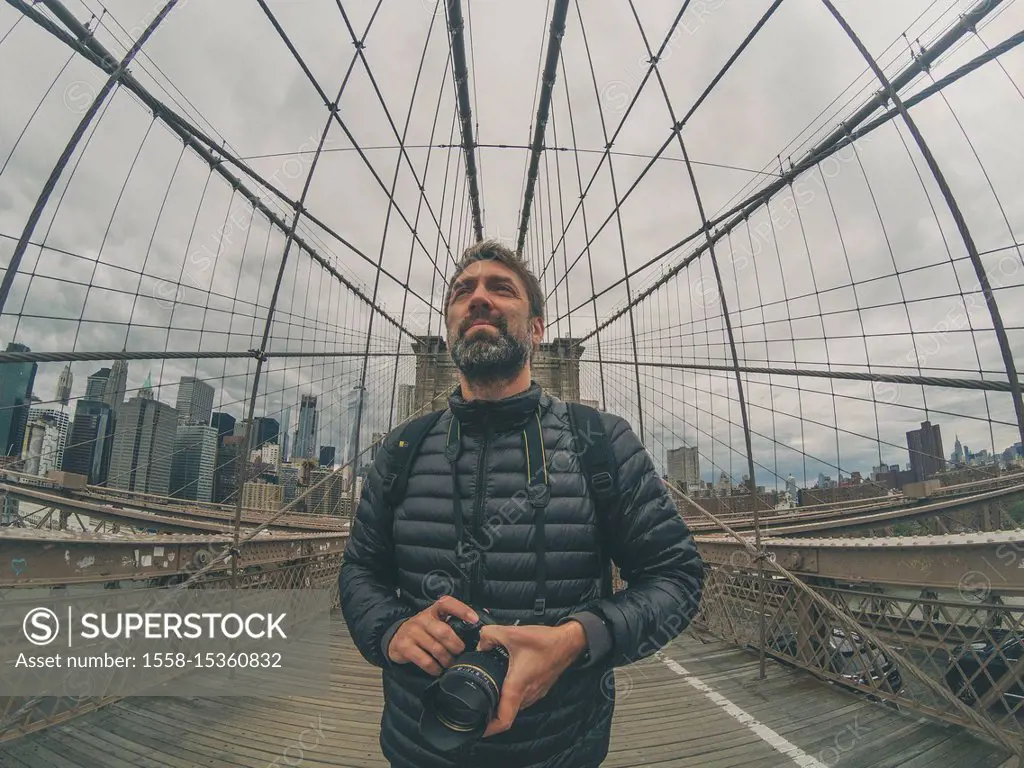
459	704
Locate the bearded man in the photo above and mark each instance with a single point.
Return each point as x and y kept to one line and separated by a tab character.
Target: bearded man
497	514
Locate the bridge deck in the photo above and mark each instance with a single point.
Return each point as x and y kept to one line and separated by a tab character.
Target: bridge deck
698	705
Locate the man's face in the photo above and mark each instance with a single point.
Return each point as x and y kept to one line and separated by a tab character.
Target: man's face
490	331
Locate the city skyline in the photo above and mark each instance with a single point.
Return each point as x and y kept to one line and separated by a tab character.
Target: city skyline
342	427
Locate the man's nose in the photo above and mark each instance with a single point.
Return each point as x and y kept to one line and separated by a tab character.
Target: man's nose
480	297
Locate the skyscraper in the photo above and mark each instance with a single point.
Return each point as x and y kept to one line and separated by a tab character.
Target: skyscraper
352	446
327	456
267	430
406	401
305	433
325	495
91	440
242	429
286	425
225	475
224	423
958	452
262	432
195	457
375	442
32	447
54	424
116	385
96	384
16	381
288	479
261	495
64	382
684	465
195	401
143	446
926	454
146	390
791	487
268	454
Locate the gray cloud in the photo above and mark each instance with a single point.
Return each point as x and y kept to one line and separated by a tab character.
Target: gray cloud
857	265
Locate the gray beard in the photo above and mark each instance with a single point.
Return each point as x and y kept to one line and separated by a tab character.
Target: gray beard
487	360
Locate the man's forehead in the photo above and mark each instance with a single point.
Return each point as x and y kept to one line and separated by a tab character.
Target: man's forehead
485	268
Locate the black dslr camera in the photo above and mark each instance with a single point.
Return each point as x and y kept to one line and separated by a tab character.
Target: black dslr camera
459	704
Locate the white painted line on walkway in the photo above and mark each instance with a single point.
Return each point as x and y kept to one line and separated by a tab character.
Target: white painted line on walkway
761	730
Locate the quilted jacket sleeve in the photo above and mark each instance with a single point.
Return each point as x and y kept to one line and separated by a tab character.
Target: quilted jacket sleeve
368	591
655	552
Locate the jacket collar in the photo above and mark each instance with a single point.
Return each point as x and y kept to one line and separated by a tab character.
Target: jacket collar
506	415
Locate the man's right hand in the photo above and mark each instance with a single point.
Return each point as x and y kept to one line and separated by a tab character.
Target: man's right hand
426	640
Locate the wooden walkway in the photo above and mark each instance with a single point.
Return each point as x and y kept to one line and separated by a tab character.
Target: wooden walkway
697	704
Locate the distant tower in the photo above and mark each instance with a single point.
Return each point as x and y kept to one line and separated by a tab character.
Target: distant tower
375	441
116	385
46	436
224	423
406	401
355	405
194	462
143	446
305	434
327	456
195	402
32	446
684	466
92	435
64	385
791	488
958	451
925	448
225	473
146	393
96	384
286	425
266	430
16	381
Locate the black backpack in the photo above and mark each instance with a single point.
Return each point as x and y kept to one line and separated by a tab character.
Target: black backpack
597	460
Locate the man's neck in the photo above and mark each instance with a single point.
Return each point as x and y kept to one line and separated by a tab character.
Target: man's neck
496	390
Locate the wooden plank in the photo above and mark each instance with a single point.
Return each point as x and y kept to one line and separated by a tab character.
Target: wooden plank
40	755
660	720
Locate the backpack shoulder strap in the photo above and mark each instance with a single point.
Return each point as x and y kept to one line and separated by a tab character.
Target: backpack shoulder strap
397	476
594	447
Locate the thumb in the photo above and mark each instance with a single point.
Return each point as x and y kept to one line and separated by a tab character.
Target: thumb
493	635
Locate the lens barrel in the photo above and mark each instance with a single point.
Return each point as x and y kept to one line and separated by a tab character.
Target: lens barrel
459	704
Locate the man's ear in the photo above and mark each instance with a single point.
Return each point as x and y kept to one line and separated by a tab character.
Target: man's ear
537	329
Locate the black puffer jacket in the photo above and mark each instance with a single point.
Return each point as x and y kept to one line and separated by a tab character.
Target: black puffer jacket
398	562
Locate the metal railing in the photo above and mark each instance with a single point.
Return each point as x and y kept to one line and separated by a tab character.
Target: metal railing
958	660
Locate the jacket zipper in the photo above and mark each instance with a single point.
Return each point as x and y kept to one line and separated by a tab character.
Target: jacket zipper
478	505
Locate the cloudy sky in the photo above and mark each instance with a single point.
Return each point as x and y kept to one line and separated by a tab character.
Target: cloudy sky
858	265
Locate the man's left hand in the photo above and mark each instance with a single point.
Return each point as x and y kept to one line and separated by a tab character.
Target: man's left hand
538	655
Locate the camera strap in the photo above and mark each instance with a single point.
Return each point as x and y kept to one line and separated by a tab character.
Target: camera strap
452	450
539	493
593	446
402	455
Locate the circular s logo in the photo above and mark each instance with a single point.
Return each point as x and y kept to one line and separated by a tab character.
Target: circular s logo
705	293
438	584
41	626
974	586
